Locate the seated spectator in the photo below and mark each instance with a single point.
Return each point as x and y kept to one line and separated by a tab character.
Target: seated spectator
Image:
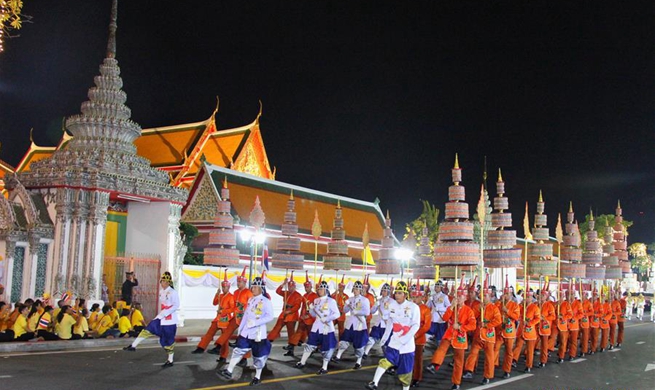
81	328
114	314
22	332
93	316
124	325
35	313
60	303
105	325
13	315
65	322
6	334
45	327
138	322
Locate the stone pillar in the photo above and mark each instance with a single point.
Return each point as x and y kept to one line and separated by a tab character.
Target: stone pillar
10	248
57	271
94	259
31	260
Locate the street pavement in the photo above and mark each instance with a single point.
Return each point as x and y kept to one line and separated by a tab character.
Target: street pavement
109	368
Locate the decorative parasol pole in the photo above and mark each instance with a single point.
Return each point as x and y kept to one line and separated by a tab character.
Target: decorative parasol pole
559	235
526	275
482	215
257	218
316	232
365	242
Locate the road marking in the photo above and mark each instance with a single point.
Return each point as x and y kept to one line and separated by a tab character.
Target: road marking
184	362
578	360
5	376
614	350
304	376
503	382
115	349
640	342
632	326
650	367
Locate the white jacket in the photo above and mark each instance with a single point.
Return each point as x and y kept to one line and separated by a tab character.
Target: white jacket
258	313
357	308
381	306
169	304
325	310
404	321
438	302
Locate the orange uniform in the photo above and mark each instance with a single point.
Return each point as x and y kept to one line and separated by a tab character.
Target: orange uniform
289	315
506	332
341	299
564	316
587	310
614	320
455	338
306	320
420	340
621	321
574	327
224	314
484	337
241	298
528	334
545	328
371	300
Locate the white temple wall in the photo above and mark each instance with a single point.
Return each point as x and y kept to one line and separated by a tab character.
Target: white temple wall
147	230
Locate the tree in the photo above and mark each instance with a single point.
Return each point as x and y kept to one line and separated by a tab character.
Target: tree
430	218
189	233
641	260
601	222
11	18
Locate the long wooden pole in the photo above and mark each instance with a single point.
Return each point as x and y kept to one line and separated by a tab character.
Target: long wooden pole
315	258
526	277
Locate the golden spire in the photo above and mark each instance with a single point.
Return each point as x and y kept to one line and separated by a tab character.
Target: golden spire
225	182
541	196
388	217
261	108
591	212
500	175
218	102
456	162
32	138
291	195
111	42
618	205
570	206
338	203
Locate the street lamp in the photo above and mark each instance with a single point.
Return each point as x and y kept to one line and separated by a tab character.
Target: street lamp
254	239
404	255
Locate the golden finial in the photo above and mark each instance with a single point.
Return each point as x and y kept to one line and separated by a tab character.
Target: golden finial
225	182
388	217
291	195
261	108
456	162
338	203
541	196
218	102
618	205
500	175
31	138
570	206
591	212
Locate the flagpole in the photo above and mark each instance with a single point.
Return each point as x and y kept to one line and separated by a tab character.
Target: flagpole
315	258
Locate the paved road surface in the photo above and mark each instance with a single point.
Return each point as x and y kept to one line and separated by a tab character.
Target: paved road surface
111	369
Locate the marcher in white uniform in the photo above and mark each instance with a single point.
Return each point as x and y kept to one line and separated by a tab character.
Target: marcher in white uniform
381	306
356	308
438	303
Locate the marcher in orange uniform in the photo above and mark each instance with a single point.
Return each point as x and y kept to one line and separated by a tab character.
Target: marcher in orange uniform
241	297
306	320
506	332
341	297
371	299
587	310
545	324
624	304
224	300
617	311
484	337
289	314
529	334
461	320
605	317
577	314
594	320
419	336
564	315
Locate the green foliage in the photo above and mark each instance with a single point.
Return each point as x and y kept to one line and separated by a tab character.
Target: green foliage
429	218
189	233
601	222
640	257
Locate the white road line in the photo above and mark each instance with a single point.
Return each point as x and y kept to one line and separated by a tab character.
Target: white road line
503	382
614	350
5	376
184	362
116	349
640	342
579	360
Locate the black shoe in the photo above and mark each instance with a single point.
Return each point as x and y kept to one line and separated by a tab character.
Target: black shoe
371	386
618	345
484	381
299	344
221	360
289	353
233	345
167	364
242	363
129	348
467	375
335	359
299	365
414	383
451	365
560	361
255	381
287	347
321	372
225	374
391	371
198	350
570	359
513	363
364	356
214	351
610	348
591	352
580	355
506	375
601	350
357	366
432	368
527	369
454	387
541	365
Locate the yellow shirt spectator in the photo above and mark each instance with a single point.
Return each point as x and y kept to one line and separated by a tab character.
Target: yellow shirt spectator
93	320
64	329
81	327
104	324
113	314
20	326
124	325
137	318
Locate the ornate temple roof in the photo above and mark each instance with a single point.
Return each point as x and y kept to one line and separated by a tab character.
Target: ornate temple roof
274	195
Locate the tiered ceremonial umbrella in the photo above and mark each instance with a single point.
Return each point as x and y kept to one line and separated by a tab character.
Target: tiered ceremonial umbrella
222	239
337	257
288	247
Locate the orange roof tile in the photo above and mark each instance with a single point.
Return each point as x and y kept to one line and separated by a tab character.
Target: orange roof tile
165	146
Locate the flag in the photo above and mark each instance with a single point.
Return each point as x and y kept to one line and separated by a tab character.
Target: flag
265	258
559	234
367	256
526	224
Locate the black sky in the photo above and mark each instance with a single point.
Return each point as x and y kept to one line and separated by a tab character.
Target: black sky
373	98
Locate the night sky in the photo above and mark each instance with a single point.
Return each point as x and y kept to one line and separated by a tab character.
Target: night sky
372	99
